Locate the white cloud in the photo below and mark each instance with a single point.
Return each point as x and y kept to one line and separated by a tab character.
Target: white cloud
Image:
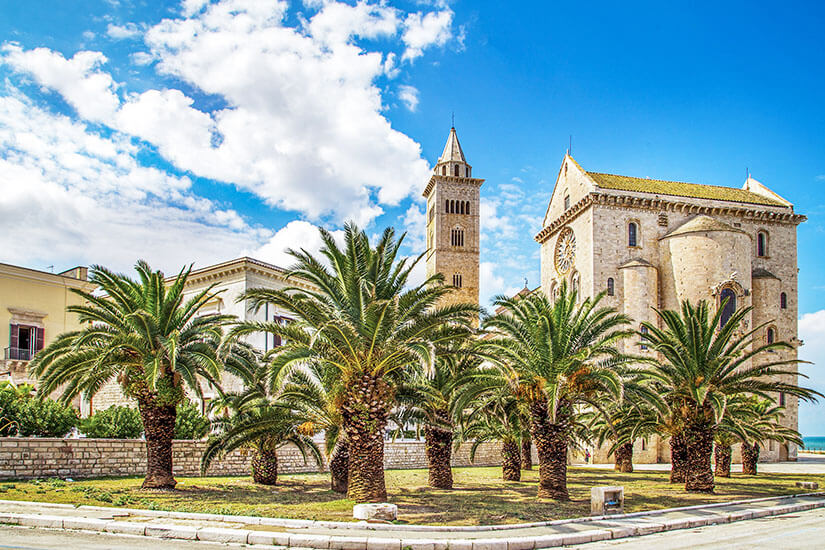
296	235
414	223
72	195
78	79
88	35
812	333
424	30
409	96
141	58
494	225
337	23
123	32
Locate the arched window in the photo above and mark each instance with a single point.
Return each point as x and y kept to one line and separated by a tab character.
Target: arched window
447	206
727	301
644	331
611	290
455	172
567	202
468	207
467	171
631	234
457	280
771	335
457	237
783	301
781	399
761	244
444	170
462	207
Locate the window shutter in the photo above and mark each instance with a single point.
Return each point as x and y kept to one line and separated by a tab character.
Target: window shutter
13	336
38	340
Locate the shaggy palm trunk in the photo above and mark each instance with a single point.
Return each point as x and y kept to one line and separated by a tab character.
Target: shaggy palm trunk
159	430
339	466
510	461
526	453
438	444
722	457
698	471
551	444
750	458
678	458
624	458
265	466
364	412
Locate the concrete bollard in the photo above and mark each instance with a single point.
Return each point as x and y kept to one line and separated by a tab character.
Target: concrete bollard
606	500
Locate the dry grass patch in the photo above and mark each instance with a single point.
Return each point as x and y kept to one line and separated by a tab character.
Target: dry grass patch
480	497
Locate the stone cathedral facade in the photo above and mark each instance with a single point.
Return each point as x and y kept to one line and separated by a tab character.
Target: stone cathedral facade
651	244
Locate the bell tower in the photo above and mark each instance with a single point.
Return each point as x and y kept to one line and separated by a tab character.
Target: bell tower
453	223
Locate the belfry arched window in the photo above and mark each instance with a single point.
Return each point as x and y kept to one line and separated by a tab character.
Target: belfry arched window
771	336
632	234
762	244
783	301
455	172
727	301
457	237
611	287
444	170
457	280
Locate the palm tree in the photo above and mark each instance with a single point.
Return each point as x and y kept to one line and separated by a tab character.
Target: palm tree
153	342
363	323
429	400
311	389
705	363
563	354
765	425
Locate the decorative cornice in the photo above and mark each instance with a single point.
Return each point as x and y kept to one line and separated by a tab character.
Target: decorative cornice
659	204
449	179
243	265
56	279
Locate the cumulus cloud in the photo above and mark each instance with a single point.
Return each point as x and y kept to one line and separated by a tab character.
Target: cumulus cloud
78	79
123	32
409	96
295	235
422	30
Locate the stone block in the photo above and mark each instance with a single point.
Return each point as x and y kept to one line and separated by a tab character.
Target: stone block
89	524
375	511
490	544
268	538
170	531
549	541
125	528
348	543
606	500
591	535
378	543
53	522
223	535
521	543
309	541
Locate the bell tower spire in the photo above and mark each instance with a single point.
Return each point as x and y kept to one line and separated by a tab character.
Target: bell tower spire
453	222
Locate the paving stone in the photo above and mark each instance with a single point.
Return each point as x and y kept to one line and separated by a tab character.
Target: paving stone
53	522
348	543
521	543
490	544
223	534
90	524
379	543
549	541
125	527
309	541
460	544
586	536
268	538
169	531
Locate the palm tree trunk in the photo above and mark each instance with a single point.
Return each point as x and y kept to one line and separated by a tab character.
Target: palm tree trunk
339	465
678	458
265	467
526	453
510	461
624	458
722	456
438	444
159	430
699	474
551	444
364	412
750	458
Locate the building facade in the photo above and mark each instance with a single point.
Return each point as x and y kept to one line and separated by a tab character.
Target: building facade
453	223
33	308
652	244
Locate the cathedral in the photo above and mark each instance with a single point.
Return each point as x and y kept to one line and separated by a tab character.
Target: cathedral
646	244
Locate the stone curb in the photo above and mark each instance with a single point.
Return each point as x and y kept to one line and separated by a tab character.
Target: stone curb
614	527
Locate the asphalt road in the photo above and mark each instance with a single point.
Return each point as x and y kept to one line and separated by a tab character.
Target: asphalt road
803	530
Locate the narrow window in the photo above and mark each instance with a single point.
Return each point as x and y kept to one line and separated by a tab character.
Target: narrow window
783	301
642	344
611	290
644	441
771	335
567	202
444	170
467	171
468	207
727	301
456	170
457	280
761	244
782	399
462	207
447	206
631	234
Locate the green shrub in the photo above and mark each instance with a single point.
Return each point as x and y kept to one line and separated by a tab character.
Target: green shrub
116	422
190	423
24	415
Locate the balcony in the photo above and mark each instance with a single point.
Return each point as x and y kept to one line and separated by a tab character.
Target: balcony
18	354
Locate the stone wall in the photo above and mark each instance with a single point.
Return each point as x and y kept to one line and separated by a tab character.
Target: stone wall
26	458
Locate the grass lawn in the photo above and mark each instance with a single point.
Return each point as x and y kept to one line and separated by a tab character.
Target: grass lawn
480	497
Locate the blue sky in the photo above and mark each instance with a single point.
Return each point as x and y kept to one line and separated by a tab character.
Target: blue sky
195	131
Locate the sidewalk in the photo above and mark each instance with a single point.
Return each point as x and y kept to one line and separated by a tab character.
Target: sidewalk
807	463
363	536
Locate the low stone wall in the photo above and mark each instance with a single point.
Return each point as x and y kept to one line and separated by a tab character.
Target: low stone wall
27	458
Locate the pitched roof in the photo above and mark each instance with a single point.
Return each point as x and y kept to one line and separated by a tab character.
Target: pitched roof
699	223
680	189
452	150
761	273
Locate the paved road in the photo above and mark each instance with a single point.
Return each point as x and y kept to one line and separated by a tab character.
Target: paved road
804	530
806	464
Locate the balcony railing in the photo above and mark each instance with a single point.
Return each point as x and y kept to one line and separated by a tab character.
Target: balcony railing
19	354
